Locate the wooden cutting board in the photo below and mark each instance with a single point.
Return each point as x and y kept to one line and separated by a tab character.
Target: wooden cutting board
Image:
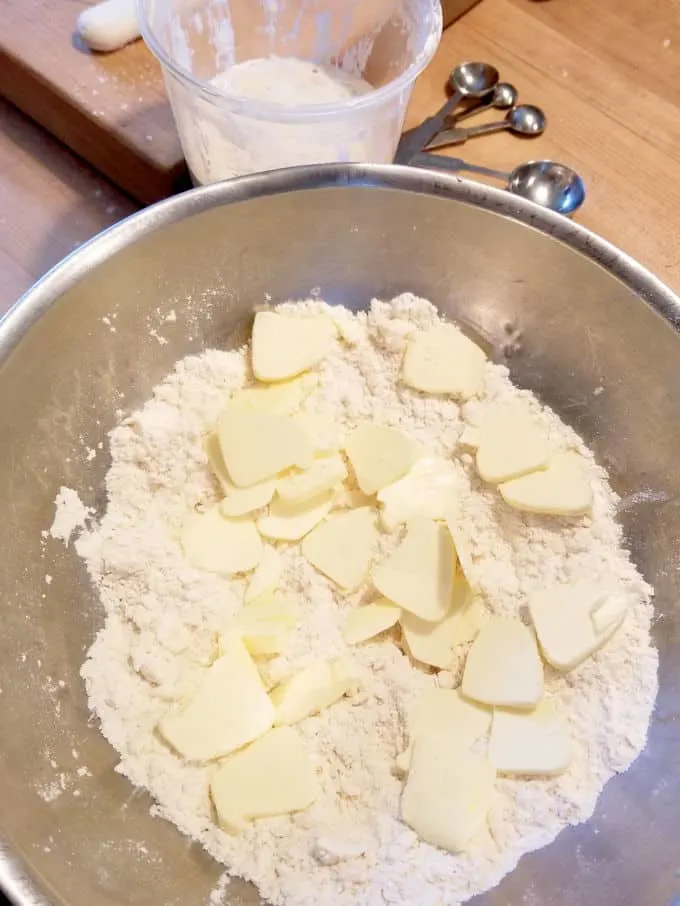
110	109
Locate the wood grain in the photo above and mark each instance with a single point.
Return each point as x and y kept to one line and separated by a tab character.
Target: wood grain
108	108
605	74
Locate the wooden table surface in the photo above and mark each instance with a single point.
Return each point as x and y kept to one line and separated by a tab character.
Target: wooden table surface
605	73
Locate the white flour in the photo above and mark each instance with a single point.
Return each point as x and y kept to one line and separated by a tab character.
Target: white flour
350	849
220	144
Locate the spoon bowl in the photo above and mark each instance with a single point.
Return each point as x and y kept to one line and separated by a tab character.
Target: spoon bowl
526	119
473	80
549	184
503	97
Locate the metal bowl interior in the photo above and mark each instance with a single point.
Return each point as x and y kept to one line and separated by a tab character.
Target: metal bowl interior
578	322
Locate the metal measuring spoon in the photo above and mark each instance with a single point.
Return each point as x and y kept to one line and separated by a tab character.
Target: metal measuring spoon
525	119
469	80
504	97
546	183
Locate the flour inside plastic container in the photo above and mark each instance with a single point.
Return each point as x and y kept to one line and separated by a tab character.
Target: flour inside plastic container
350	848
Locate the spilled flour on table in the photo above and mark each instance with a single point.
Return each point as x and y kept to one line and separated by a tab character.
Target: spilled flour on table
350	848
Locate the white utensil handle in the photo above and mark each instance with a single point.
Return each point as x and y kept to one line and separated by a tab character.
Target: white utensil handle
109	25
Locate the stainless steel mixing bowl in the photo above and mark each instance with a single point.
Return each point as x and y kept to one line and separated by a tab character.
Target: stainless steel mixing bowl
579	322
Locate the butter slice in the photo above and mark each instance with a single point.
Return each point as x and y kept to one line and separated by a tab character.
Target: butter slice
466	565
212	449
565	618
428	489
241	501
313	689
435	643
379	456
364	623
448	792
503	667
446	710
272	776
218	545
266	577
258	445
562	489
323	475
342	547
265	625
511	444
284	346
418	575
229	710
283	398
443	360
535	743
291	522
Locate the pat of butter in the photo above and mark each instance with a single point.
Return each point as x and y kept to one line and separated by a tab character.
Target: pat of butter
291	522
272	776
284	346
429	490
435	643
364	623
211	445
218	545
379	456
229	710
511	444
342	547
282	398
466	565
325	434
265	625
443	360
448	792
323	475
258	445
503	667
565	620
562	489
445	710
241	501
535	743
266	577
313	689
418	575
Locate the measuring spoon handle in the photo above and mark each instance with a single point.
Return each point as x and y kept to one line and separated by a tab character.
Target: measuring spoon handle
458	136
452	165
415	140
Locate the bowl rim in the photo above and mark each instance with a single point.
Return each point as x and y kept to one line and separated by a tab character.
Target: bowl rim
70	270
16	879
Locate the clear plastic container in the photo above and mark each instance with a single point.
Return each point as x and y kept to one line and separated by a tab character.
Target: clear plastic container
224	133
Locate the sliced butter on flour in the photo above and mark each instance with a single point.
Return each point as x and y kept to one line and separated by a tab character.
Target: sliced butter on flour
535	743
284	346
466	564
272	776
211	445
565	618
265	625
364	623
241	501
435	643
511	444
265	579
291	522
445	710
469	437
562	489
443	360
313	689
379	456
229	710
418	575
283	398
258	445
342	547
325	474
428	489
448	792
503	667
218	545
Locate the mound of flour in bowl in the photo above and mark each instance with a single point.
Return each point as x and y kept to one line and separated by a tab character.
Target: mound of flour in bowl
162	615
